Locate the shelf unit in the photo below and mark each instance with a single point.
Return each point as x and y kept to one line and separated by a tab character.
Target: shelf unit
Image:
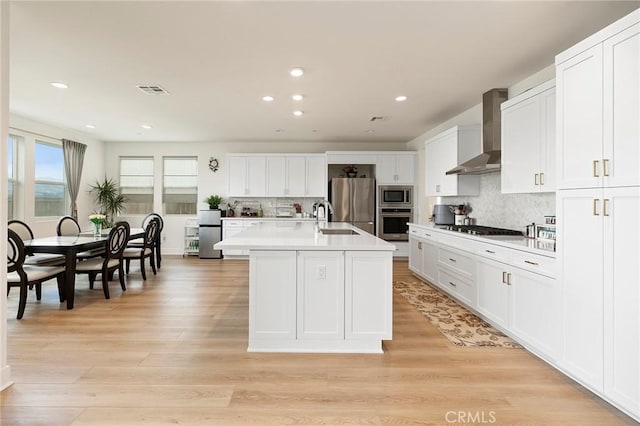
191	238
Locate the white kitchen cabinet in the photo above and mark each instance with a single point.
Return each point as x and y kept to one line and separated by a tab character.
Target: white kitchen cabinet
396	169
600	274
316	176
351	157
368	295
598	89
528	141
423	254
446	151
246	175
320	295
229	229
493	291
415	254
598	238
272	299
285	176
535	311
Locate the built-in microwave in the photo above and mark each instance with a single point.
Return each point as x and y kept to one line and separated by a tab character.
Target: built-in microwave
395	196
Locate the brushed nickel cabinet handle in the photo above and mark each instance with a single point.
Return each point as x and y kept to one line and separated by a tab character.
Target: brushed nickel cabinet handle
541	178
595	168
452	283
595	207
605	167
604	207
530	262
428	235
508	278
437	188
453	260
489	251
419	245
536	179
504	277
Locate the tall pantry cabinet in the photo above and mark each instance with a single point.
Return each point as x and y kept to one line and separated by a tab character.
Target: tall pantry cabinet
598	209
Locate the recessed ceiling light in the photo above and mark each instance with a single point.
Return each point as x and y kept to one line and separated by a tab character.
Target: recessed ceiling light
268	98
297	97
90	126
146	126
296	72
59	85
401	98
298	113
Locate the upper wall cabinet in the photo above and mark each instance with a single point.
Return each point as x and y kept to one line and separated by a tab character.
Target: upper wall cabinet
246	176
277	175
528	141
296	175
396	168
351	157
598	89
446	151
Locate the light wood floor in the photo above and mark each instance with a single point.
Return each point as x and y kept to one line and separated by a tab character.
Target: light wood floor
172	350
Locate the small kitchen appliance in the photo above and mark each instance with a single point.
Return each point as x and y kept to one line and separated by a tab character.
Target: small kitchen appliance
443	214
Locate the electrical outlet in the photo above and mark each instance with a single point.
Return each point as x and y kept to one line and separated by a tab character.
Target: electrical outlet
322	272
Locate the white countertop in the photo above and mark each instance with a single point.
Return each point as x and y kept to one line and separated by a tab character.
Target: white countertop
302	235
544	248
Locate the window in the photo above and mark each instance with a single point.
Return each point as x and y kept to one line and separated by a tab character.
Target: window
11	158
180	185
136	184
50	190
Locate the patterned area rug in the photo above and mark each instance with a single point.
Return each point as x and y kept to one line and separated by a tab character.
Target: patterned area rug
457	324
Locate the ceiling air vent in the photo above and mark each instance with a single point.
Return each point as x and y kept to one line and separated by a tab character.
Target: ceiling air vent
152	89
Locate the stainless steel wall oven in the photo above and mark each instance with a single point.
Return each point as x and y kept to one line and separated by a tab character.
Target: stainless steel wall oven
393	223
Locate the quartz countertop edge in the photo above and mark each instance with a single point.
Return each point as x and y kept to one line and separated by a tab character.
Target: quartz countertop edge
271	218
510	241
302	235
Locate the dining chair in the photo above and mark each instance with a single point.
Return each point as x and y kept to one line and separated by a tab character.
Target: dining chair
115	245
147	250
25	276
69	226
139	242
40	259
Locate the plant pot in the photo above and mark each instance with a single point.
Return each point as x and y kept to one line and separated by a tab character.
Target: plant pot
213	207
352	174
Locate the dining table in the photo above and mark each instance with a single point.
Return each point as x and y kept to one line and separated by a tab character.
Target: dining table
70	246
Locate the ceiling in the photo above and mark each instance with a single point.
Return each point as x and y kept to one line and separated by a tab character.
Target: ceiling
218	58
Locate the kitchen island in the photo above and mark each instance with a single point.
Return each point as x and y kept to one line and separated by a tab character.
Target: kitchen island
323	287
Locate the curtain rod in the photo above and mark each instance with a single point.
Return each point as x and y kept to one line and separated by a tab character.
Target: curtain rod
34	133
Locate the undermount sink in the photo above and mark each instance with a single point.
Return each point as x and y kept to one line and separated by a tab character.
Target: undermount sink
335	231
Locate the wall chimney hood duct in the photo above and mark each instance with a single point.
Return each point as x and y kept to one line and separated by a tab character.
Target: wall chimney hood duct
489	160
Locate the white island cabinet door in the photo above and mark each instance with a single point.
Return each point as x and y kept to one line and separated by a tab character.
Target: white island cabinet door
320	313
368	295
272	295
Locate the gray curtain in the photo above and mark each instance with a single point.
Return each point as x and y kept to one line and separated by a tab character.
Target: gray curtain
73	160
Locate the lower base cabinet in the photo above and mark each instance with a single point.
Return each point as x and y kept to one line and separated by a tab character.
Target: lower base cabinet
494	293
320	301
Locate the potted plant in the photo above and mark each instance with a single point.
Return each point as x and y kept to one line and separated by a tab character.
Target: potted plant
213	201
109	199
350	170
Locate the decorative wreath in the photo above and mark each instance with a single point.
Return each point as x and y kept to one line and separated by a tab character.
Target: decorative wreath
213	164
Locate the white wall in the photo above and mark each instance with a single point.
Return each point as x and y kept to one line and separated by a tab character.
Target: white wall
208	182
528	207
93	169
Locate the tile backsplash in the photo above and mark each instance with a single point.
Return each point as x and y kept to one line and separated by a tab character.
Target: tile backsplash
511	211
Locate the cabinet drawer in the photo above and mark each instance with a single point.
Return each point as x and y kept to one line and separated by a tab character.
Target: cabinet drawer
457	286
533	262
423	234
233	223
492	251
462	263
459	243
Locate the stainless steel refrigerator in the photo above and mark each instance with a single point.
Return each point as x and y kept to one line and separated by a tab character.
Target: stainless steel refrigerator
353	201
210	232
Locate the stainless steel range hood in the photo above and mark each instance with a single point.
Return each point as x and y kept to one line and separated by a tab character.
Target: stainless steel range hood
489	160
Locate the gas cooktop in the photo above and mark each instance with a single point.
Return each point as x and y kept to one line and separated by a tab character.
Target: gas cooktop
482	230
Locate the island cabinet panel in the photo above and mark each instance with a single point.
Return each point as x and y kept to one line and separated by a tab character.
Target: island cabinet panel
272	300
320	298
368	295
